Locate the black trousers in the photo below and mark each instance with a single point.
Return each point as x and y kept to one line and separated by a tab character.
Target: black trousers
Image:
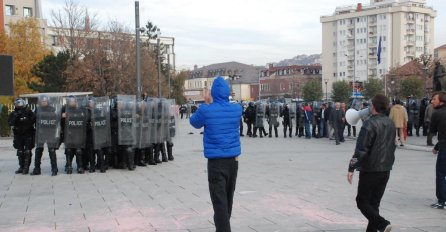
222	176
371	189
440	169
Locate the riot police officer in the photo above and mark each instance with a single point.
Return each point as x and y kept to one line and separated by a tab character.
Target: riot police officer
22	122
48	130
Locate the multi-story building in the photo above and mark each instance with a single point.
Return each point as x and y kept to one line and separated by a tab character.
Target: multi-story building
401	29
240	78
440	53
287	81
14	10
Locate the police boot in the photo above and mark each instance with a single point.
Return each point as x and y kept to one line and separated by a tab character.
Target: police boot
151	159
26	161
169	151
157	153
101	161
163	153
68	168
91	160
53	160
20	156
130	159
139	157
80	167
37	161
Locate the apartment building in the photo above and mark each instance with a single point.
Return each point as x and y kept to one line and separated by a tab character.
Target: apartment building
363	41
14	10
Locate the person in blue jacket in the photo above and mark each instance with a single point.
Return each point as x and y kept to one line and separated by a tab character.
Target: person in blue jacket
221	141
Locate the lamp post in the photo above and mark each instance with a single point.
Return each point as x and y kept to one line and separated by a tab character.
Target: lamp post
326	89
138	51
158	33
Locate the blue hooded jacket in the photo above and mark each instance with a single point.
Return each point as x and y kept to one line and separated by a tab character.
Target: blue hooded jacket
221	122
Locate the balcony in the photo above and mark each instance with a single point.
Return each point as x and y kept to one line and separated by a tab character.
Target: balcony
410	53
410	31
411	20
351	26
372	34
351	47
372	45
350	68
372	23
372	55
350	57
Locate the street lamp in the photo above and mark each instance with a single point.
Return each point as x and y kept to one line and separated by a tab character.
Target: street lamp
158	33
138	30
326	89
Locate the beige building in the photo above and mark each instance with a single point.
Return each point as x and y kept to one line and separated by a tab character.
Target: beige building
351	36
440	53
14	10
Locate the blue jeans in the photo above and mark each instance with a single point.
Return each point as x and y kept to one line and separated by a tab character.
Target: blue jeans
441	175
307	129
322	132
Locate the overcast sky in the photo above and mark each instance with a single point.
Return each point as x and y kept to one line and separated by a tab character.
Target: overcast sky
248	31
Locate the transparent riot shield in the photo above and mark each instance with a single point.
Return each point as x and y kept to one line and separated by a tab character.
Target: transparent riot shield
162	116
48	116
274	112
293	113
75	123
260	114
100	122
172	120
143	117
152	104
126	120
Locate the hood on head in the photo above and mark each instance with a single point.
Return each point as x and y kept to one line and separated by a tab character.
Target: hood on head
220	90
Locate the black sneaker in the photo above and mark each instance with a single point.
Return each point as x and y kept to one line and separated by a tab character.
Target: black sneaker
388	228
438	206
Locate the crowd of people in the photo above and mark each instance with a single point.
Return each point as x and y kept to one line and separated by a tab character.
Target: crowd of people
328	119
99	132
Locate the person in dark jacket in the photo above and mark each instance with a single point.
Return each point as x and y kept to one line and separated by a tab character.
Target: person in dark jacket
438	125
249	117
374	157
337	119
22	122
221	143
285	113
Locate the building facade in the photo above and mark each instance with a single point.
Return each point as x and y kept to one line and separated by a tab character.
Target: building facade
240	78
287	81
440	53
14	10
402	30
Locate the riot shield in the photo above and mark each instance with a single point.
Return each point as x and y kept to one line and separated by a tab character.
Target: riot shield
172	120
48	116
126	120
152	104
100	122
162	120
260	114
75	123
292	111
274	110
143	117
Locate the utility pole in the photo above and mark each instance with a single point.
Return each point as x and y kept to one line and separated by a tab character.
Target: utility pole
159	61
138	52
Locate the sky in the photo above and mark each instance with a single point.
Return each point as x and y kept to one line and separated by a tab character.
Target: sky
248	31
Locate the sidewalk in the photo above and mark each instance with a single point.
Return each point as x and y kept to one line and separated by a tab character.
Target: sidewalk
284	184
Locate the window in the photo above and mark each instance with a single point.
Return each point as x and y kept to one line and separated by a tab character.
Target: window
27	12
9	10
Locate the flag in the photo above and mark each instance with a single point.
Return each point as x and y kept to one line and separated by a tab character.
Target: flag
379	51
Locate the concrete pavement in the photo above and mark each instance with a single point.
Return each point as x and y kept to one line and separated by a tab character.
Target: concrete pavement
284	184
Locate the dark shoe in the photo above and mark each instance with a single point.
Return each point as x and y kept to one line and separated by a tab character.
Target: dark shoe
152	162
131	168
242	135
20	170
401	145
35	172
266	134
438	206
103	171
254	136
388	228
69	170
261	136
338	143
430	144
270	136
54	173
141	164
80	170
91	170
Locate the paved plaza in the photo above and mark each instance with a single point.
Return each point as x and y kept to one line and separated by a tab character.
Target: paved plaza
284	184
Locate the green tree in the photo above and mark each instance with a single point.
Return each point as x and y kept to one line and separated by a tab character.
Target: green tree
412	86
177	87
341	91
51	71
312	91
372	87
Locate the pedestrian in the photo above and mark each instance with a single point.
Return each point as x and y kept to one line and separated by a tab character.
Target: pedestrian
373	158
438	125
221	142
322	121
22	122
398	114
287	119
308	120
337	119
427	122
249	117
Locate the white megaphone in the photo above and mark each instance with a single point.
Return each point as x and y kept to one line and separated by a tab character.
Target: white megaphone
355	117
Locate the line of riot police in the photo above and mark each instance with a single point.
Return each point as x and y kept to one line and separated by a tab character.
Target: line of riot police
97	132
